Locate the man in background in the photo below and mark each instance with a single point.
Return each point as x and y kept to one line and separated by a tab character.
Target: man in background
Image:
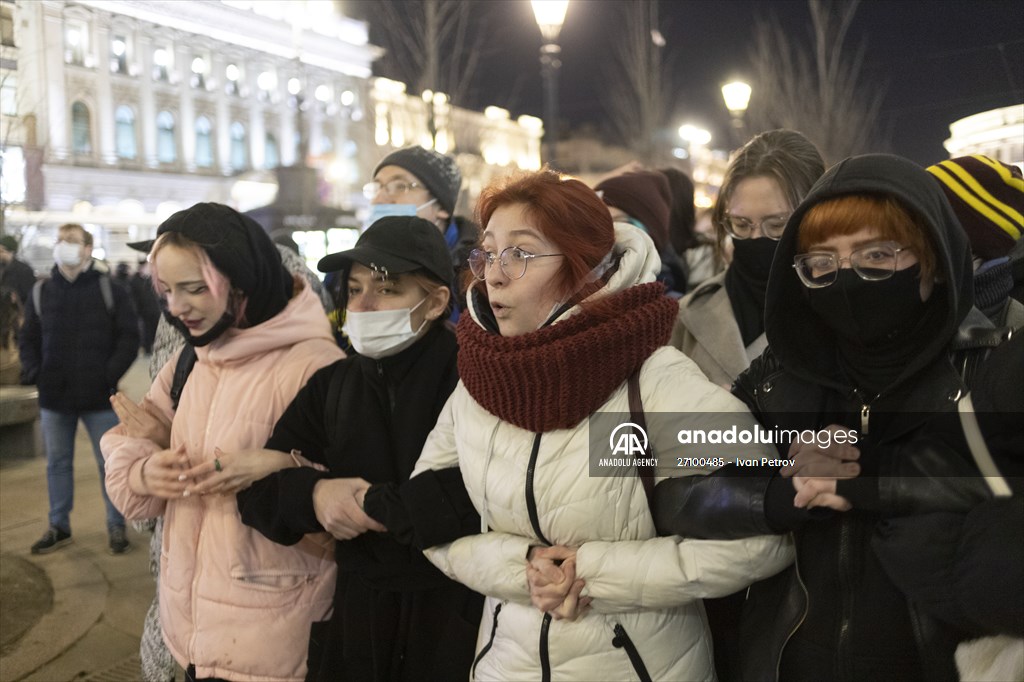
79	338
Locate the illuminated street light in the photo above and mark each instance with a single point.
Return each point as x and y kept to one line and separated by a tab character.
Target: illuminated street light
550	15
693	135
737	97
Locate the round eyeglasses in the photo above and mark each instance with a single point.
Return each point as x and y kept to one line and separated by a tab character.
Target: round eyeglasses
743	228
873	263
512	261
393	188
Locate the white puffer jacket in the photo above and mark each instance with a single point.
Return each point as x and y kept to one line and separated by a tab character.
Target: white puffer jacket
646	618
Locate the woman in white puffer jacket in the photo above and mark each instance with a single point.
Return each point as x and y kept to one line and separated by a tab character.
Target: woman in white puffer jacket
564	312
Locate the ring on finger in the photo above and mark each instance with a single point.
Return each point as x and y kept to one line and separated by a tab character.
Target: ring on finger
216	465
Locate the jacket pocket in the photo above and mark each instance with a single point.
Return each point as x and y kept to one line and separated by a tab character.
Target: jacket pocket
622	641
486	647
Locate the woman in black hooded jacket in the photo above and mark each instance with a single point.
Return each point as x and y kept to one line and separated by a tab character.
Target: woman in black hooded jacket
364	420
869	303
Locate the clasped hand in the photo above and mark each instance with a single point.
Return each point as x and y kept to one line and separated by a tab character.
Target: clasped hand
816	468
143	420
554	587
338	503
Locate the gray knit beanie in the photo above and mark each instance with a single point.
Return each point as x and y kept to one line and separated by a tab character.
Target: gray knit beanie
437	172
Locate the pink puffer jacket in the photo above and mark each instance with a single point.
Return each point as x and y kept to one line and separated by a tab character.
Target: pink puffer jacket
235	604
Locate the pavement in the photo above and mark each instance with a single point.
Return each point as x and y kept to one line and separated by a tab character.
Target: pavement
77	613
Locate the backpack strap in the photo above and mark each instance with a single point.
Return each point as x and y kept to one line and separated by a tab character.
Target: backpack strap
186	361
107	292
636	413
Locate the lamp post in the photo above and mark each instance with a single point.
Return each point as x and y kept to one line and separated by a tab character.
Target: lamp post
550	15
737	97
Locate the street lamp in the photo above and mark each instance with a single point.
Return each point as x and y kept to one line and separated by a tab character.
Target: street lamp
550	15
737	97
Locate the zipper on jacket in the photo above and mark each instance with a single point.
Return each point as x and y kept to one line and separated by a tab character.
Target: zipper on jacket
387	387
531	502
865	415
803	615
545	659
622	641
490	642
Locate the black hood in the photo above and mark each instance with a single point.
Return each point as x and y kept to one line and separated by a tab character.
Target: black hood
798	338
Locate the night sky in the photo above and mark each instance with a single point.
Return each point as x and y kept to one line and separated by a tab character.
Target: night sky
938	61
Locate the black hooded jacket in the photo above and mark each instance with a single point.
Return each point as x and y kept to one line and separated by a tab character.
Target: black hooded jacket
837	615
396	616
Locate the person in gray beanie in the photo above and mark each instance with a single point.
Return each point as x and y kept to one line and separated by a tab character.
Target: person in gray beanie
425	183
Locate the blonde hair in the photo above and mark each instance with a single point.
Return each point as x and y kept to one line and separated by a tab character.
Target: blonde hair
215	280
71	227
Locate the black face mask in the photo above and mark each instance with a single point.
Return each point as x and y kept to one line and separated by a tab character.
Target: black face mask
865	313
753	257
226	321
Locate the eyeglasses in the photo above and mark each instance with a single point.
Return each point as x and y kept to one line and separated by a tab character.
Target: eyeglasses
393	188
512	261
742	228
873	263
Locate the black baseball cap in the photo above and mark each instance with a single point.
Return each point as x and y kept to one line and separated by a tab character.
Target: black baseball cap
397	244
143	247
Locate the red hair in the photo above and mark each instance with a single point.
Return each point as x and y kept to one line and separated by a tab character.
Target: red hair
567	212
849	214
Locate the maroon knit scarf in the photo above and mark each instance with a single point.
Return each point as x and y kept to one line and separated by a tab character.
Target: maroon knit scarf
555	377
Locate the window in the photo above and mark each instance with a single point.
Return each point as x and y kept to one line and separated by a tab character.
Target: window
119	55
271	156
326	145
204	143
166	145
233	77
239	152
124	133
9	95
76	43
199	66
162	64
6	27
81	133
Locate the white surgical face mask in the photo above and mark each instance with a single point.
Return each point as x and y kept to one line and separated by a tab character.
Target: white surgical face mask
378	211
68	254
382	333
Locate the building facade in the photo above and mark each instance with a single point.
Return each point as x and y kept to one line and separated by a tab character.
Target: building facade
115	113
998	133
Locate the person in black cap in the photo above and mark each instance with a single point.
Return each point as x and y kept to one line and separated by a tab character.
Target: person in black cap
365	418
424	183
233	605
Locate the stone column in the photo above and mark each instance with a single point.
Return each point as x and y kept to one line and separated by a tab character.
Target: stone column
105	104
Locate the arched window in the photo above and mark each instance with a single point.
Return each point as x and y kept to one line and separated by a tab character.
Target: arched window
271	155
326	145
239	151
81	133
166	145
204	145
124	135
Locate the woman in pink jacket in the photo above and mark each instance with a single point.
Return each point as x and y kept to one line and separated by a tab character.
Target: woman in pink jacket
234	605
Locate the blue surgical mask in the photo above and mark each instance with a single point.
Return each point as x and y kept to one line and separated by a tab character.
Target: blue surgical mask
378	211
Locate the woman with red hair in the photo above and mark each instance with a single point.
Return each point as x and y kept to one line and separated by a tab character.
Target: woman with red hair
565	322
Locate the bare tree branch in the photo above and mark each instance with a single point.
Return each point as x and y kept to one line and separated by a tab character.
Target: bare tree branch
818	90
427	44
639	83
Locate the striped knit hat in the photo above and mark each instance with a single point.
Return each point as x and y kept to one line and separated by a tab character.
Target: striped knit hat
988	198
